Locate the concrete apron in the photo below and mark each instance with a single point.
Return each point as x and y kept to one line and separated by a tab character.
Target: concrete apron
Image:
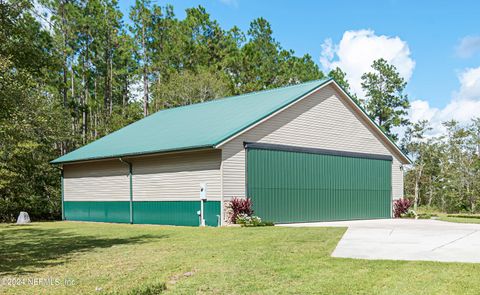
406	239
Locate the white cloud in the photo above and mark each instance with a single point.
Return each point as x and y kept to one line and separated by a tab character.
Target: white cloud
470	84
464	106
421	110
468	46
328	53
357	50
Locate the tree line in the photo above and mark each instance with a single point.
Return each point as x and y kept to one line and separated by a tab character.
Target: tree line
73	71
446	171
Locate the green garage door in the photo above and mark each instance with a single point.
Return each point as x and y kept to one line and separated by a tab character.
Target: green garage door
294	184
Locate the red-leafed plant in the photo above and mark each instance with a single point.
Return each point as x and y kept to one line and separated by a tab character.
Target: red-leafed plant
240	206
401	206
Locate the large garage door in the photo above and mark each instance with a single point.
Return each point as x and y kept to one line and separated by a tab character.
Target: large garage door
292	184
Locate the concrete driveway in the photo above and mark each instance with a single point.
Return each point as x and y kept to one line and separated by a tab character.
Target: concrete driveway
407	239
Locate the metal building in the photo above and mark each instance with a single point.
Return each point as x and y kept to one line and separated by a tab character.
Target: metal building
306	152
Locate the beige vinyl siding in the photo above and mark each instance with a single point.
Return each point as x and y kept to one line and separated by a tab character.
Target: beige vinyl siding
326	119
397	179
176	176
96	181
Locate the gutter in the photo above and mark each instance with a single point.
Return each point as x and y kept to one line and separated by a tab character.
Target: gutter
130	176
137	154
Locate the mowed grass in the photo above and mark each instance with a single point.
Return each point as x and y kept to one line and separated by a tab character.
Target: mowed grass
450	217
444	217
131	259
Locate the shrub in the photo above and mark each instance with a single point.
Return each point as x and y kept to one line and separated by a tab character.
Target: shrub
246	220
401	207
240	206
249	221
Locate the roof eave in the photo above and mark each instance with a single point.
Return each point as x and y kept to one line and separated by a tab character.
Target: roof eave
132	155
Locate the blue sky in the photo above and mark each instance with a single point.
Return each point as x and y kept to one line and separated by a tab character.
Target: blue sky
422	38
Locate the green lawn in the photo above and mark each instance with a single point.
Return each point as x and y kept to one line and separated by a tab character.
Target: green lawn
115	258
444	217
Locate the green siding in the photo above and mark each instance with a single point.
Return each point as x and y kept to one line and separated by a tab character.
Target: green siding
97	211
175	212
301	187
149	212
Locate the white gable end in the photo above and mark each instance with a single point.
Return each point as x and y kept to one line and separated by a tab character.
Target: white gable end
326	119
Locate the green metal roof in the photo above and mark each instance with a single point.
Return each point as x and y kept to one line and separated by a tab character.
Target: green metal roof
202	125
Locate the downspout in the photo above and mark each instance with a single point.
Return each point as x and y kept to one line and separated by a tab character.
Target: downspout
130	176
222	201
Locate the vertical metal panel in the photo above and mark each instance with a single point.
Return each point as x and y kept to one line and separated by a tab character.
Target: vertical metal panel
175	212
299	187
147	212
102	211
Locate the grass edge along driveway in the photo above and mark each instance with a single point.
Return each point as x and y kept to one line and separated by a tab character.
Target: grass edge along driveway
101	258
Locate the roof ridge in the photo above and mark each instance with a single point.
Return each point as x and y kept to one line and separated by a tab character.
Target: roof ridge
321	83
216	100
